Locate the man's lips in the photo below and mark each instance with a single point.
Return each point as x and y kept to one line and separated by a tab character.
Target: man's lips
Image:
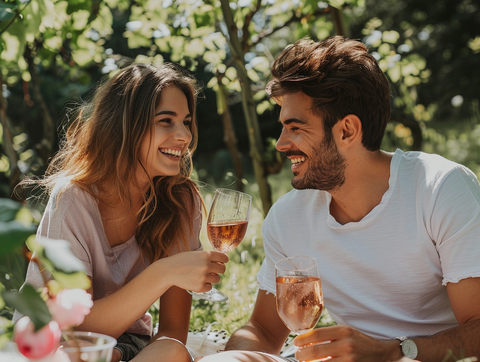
296	157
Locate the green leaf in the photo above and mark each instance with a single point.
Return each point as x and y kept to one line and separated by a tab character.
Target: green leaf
13	234
6	331
7	11
2	302
72	281
8	209
76	5
28	302
58	254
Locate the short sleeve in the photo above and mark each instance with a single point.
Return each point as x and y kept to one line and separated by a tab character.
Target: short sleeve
68	216
456	224
273	252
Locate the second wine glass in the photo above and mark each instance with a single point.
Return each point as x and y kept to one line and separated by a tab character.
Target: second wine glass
226	226
299	293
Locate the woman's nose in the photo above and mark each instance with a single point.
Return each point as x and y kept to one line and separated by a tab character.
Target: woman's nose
183	133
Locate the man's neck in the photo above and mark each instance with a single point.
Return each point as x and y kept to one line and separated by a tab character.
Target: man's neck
366	181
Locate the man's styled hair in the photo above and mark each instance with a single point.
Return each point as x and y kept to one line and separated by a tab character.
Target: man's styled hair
342	78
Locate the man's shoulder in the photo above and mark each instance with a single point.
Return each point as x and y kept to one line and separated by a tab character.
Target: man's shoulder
428	167
429	161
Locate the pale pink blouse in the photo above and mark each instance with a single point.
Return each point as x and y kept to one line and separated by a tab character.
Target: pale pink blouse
73	215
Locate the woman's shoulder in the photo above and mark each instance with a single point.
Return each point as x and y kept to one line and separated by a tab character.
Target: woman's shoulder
68	194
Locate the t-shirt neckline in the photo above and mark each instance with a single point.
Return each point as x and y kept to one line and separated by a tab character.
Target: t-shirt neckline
394	164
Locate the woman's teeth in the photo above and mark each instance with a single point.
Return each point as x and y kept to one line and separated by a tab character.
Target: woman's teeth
168	151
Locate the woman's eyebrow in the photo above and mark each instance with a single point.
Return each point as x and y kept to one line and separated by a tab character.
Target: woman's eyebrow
171	113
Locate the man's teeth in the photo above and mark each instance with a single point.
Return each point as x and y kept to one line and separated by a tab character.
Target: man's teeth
298	160
168	151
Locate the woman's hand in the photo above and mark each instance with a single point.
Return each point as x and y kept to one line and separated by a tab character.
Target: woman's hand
195	270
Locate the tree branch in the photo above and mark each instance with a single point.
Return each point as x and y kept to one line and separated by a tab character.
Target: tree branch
294	18
246	24
17	14
15	172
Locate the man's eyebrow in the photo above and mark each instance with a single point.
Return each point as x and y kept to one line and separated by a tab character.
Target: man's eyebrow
171	113
292	120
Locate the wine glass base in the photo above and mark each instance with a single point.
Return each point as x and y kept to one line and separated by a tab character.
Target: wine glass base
212	295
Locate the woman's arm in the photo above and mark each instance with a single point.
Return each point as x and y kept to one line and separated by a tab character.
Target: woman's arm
174	318
193	270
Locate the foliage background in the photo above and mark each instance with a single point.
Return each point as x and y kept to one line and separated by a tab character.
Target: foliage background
53	52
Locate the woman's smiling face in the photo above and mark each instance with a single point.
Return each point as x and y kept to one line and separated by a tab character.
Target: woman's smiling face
170	135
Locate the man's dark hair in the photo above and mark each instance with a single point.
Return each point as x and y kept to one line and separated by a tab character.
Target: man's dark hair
342	78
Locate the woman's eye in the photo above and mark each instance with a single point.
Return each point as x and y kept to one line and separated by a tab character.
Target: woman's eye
187	123
165	120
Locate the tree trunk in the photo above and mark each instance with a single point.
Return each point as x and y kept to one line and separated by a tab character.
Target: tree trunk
248	103
229	132
15	173
45	147
339	21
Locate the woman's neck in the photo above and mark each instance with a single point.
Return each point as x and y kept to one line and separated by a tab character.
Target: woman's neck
120	218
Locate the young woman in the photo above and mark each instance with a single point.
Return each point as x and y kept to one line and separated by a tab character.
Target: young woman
120	193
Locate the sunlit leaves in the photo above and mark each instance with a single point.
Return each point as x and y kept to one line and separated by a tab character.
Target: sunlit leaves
80	19
194	48
390	36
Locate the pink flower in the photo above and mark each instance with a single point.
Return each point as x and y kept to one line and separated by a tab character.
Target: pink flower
70	307
37	344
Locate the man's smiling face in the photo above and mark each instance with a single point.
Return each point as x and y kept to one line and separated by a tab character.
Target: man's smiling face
316	161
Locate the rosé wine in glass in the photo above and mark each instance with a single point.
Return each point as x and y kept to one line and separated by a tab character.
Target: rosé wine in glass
225	236
299	293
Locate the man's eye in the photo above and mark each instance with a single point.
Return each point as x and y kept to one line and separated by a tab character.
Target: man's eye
294	129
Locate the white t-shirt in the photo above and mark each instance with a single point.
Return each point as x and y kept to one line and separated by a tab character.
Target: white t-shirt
74	216
386	274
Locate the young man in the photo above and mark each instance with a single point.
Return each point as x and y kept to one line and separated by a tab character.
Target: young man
396	235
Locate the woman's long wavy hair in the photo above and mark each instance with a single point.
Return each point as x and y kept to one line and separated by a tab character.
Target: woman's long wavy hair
102	147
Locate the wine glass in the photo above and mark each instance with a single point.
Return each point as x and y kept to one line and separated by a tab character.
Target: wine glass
226	226
299	293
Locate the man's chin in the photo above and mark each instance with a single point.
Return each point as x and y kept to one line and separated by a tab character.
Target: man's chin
297	183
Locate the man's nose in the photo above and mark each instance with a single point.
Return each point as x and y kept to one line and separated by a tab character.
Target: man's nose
283	142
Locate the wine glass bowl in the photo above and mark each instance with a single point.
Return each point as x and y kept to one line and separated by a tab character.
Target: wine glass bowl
228	219
299	293
226	227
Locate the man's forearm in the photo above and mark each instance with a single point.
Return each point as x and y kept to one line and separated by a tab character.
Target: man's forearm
461	341
250	338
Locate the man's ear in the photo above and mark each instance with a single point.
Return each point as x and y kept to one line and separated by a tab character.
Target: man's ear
348	131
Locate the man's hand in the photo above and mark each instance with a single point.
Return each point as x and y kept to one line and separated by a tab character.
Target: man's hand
345	344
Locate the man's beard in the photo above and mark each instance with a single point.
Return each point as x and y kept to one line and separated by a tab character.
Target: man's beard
326	169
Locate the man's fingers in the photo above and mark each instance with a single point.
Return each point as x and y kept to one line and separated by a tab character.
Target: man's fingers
324	334
325	350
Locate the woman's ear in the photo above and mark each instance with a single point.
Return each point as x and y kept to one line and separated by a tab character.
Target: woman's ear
349	131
